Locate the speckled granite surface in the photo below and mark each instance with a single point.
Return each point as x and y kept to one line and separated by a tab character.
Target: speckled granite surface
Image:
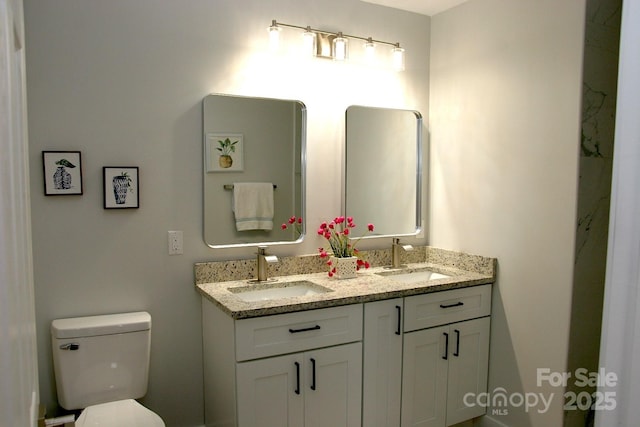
215	279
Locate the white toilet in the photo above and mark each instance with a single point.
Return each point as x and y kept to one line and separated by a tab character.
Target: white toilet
101	365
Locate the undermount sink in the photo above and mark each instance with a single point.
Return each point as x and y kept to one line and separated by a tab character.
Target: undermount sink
277	290
413	276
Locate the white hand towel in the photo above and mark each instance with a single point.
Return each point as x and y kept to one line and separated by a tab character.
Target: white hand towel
253	205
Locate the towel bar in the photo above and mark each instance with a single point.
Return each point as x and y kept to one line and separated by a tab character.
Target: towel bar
230	186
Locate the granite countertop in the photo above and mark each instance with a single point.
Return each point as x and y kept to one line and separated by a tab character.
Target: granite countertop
464	271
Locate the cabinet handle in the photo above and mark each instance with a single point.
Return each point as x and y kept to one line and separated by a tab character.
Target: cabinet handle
446	346
457	352
297	390
312	328
399	312
313	373
457	304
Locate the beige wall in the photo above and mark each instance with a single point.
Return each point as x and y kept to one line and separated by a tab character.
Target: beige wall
505	132
123	81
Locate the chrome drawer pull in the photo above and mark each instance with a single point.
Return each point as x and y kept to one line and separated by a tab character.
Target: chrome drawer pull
312	328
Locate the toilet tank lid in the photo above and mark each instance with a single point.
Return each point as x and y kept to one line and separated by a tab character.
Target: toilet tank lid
107	324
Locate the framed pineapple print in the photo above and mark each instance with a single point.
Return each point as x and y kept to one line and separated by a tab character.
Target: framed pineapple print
121	188
62	173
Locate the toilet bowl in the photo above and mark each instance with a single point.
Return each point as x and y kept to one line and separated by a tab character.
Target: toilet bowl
122	413
101	364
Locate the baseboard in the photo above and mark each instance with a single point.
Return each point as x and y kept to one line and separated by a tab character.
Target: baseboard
487	421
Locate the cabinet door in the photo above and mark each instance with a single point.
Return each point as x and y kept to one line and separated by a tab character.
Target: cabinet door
382	363
424	377
468	367
270	392
333	386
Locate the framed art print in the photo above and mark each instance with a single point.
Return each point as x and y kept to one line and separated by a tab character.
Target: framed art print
62	173
224	152
121	188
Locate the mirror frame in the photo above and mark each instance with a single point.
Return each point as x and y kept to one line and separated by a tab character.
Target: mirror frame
419	152
303	173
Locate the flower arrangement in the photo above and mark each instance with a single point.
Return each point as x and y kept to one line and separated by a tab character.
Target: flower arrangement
337	233
294	222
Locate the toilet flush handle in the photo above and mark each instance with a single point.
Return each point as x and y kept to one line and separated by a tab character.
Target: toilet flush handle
70	346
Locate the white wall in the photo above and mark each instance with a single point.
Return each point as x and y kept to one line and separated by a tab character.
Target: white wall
123	81
621	321
18	357
505	133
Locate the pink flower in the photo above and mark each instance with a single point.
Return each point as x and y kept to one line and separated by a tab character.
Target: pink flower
292	220
338	235
300	220
283	226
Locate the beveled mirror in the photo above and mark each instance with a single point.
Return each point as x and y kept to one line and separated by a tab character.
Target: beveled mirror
383	171
252	140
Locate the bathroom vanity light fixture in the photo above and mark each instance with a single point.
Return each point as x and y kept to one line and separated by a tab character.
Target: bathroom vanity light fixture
335	45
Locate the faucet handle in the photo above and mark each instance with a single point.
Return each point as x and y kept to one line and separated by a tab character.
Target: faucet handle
406	247
262	252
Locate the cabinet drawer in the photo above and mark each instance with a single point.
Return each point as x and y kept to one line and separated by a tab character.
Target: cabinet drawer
428	310
286	333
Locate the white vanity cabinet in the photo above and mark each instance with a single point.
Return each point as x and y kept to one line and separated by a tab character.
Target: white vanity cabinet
294	369
434	348
314	388
446	356
382	363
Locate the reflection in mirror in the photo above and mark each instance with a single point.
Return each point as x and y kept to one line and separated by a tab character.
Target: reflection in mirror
383	169
252	140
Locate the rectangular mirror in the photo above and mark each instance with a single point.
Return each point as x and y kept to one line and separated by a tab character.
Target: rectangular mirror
383	171
252	140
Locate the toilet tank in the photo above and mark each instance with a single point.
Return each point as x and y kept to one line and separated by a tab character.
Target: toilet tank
101	359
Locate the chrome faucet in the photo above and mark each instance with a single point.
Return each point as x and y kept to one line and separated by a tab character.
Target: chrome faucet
263	259
395	252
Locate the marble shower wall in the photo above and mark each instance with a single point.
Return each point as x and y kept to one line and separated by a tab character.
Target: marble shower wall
602	31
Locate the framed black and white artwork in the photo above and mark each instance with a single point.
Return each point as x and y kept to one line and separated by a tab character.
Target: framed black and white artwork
62	173
121	187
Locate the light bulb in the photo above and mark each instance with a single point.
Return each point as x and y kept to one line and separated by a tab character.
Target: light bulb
309	47
369	50
339	48
397	57
274	36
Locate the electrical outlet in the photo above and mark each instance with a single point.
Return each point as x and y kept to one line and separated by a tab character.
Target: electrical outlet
175	243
